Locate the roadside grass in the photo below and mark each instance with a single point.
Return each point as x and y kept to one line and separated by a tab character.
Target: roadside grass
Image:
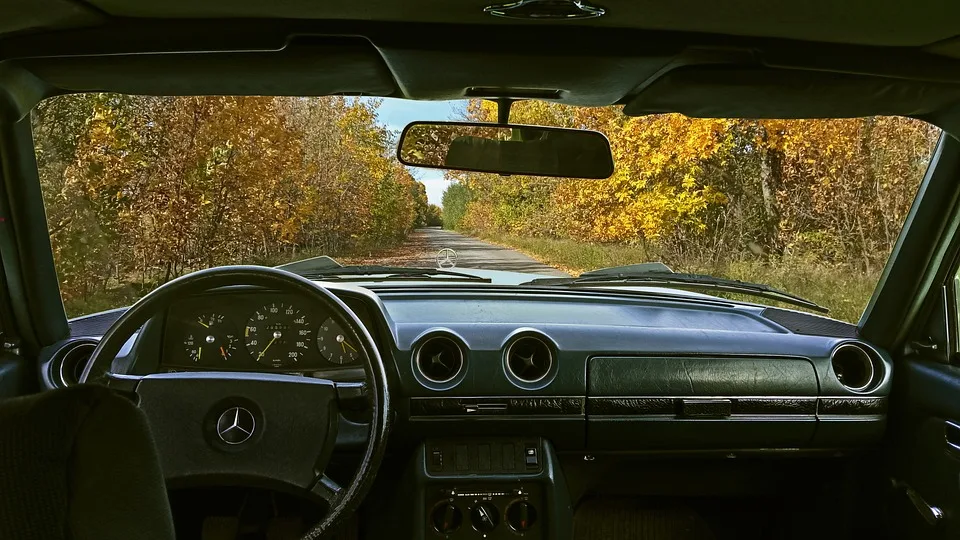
844	290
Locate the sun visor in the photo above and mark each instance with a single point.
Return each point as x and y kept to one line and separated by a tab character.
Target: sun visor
756	93
309	70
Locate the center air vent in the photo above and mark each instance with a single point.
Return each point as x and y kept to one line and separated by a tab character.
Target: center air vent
529	359
439	359
71	360
854	366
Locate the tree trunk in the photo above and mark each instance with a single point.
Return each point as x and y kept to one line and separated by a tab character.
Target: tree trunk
770	174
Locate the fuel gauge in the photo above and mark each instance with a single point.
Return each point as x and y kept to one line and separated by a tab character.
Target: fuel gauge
210	339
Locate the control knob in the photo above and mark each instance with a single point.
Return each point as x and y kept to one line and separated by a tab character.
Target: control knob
484	517
446	518
521	515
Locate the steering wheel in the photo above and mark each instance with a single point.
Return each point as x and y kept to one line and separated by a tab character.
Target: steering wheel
262	428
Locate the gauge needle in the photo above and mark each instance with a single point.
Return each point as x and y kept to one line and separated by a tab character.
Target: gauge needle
223	353
344	345
199	352
267	347
203	325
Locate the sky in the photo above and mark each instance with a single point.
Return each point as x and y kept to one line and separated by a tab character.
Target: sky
397	113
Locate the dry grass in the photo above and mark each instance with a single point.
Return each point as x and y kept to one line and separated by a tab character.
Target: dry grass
843	290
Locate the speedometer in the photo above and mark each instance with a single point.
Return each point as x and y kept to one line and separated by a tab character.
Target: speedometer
278	335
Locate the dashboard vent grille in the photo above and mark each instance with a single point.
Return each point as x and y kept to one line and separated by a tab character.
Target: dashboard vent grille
854	366
439	359
810	325
73	359
529	359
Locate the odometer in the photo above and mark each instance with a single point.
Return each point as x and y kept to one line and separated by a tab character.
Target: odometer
278	335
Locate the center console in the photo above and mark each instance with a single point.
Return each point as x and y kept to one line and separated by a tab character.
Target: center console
489	488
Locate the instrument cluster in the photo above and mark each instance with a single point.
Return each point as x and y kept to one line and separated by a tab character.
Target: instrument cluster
255	332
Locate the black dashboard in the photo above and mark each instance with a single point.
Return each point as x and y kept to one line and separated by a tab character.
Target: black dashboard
588	370
493	387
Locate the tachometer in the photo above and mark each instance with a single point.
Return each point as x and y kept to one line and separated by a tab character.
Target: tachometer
210	339
278	335
334	345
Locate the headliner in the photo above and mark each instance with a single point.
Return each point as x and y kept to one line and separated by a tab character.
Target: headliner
867	22
850	58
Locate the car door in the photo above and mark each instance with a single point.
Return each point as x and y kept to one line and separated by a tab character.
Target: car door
914	315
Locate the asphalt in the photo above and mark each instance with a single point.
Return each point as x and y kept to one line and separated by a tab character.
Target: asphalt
474	253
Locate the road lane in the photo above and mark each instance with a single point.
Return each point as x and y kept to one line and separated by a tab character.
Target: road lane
474	253
421	248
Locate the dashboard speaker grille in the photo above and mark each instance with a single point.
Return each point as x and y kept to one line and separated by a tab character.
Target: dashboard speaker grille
439	359
529	359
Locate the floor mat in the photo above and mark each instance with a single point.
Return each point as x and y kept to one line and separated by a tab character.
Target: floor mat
635	519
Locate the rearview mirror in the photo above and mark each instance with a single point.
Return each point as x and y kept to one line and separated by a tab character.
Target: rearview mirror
506	149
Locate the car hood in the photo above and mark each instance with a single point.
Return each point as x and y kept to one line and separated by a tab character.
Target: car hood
505	278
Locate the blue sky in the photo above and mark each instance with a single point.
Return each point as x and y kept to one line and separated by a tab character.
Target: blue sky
397	113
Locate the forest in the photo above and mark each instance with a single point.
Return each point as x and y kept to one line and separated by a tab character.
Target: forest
811	206
139	190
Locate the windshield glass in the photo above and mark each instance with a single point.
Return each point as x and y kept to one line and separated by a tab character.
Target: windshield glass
140	190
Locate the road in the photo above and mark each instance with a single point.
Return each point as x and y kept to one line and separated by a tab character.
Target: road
421	248
471	253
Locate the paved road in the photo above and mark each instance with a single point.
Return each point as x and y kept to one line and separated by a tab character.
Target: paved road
473	253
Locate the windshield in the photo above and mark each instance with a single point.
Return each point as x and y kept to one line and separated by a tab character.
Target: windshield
140	190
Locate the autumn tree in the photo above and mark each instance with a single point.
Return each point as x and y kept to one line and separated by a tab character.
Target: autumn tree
704	191
142	189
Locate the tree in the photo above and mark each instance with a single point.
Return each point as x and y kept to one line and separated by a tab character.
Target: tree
434	216
142	189
706	191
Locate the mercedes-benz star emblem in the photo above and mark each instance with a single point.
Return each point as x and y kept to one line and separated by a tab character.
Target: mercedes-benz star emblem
236	425
446	258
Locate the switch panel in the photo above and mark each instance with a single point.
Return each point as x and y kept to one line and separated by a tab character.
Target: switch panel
479	456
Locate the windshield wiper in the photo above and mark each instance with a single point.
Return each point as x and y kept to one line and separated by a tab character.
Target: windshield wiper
391	273
657	278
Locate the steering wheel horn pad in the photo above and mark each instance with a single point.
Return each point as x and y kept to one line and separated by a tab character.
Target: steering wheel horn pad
267	429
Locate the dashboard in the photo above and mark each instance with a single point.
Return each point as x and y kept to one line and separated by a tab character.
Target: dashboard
584	369
493	387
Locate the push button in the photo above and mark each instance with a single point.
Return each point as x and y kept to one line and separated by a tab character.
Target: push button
483	454
461	457
531	457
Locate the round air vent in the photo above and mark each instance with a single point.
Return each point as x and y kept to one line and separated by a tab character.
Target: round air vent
854	366
73	358
439	359
529	359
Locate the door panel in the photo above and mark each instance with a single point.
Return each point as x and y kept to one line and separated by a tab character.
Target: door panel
925	440
17	376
